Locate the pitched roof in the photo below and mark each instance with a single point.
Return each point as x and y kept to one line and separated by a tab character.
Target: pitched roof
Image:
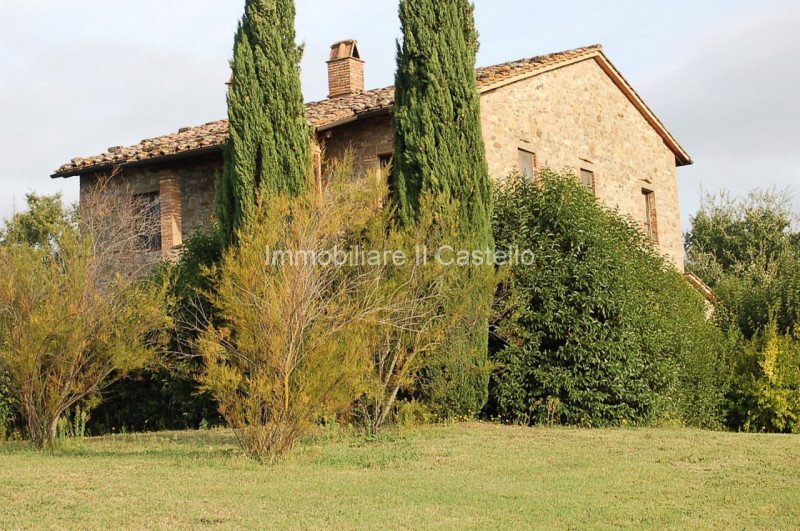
332	112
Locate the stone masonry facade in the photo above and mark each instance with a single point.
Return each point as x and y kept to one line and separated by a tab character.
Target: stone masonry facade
576	119
573	117
570	119
186	197
367	140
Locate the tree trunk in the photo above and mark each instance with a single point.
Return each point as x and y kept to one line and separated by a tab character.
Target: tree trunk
43	433
380	420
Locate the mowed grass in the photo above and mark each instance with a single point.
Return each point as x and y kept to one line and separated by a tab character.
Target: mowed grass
465	475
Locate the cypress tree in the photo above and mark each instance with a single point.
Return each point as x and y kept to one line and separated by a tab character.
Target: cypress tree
269	145
439	153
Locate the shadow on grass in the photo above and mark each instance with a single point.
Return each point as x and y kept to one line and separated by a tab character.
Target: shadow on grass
210	444
332	447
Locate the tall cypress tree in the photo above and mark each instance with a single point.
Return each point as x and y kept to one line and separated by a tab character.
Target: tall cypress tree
269	146
439	152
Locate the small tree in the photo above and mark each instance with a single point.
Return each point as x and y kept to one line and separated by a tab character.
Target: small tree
44	221
293	346
748	250
74	313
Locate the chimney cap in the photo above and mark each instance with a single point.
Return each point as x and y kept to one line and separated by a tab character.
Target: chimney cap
345	49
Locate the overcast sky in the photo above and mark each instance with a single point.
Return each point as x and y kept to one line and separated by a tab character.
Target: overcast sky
78	76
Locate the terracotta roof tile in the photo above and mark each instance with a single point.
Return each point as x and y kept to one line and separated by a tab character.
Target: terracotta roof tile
498	73
320	114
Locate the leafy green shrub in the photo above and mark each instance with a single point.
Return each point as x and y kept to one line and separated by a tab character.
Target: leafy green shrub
7	405
599	330
167	397
765	388
674	327
748	250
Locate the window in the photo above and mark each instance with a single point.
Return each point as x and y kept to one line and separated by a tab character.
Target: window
587	179
527	163
649	214
386	160
150	206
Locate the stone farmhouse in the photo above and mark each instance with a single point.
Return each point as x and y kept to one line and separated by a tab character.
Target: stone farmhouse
569	110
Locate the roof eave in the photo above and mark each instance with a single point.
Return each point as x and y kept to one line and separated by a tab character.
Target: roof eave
205	150
354	118
682	157
703	288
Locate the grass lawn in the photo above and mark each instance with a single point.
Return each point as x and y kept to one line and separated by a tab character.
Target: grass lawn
464	475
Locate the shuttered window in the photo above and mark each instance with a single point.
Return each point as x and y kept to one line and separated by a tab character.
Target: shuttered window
587	179
649	219
527	163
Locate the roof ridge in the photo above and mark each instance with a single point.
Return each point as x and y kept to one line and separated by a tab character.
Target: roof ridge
321	114
565	53
571	53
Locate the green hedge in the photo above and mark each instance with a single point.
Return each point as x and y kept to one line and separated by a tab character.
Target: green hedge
167	398
600	330
7	408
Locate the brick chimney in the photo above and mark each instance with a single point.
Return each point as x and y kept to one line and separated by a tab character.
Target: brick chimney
345	69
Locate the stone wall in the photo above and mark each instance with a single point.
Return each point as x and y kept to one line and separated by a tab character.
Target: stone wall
186	194
197	183
575	118
368	139
571	119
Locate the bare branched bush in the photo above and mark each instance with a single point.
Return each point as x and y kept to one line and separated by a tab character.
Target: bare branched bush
428	302
400	343
77	314
120	227
291	351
